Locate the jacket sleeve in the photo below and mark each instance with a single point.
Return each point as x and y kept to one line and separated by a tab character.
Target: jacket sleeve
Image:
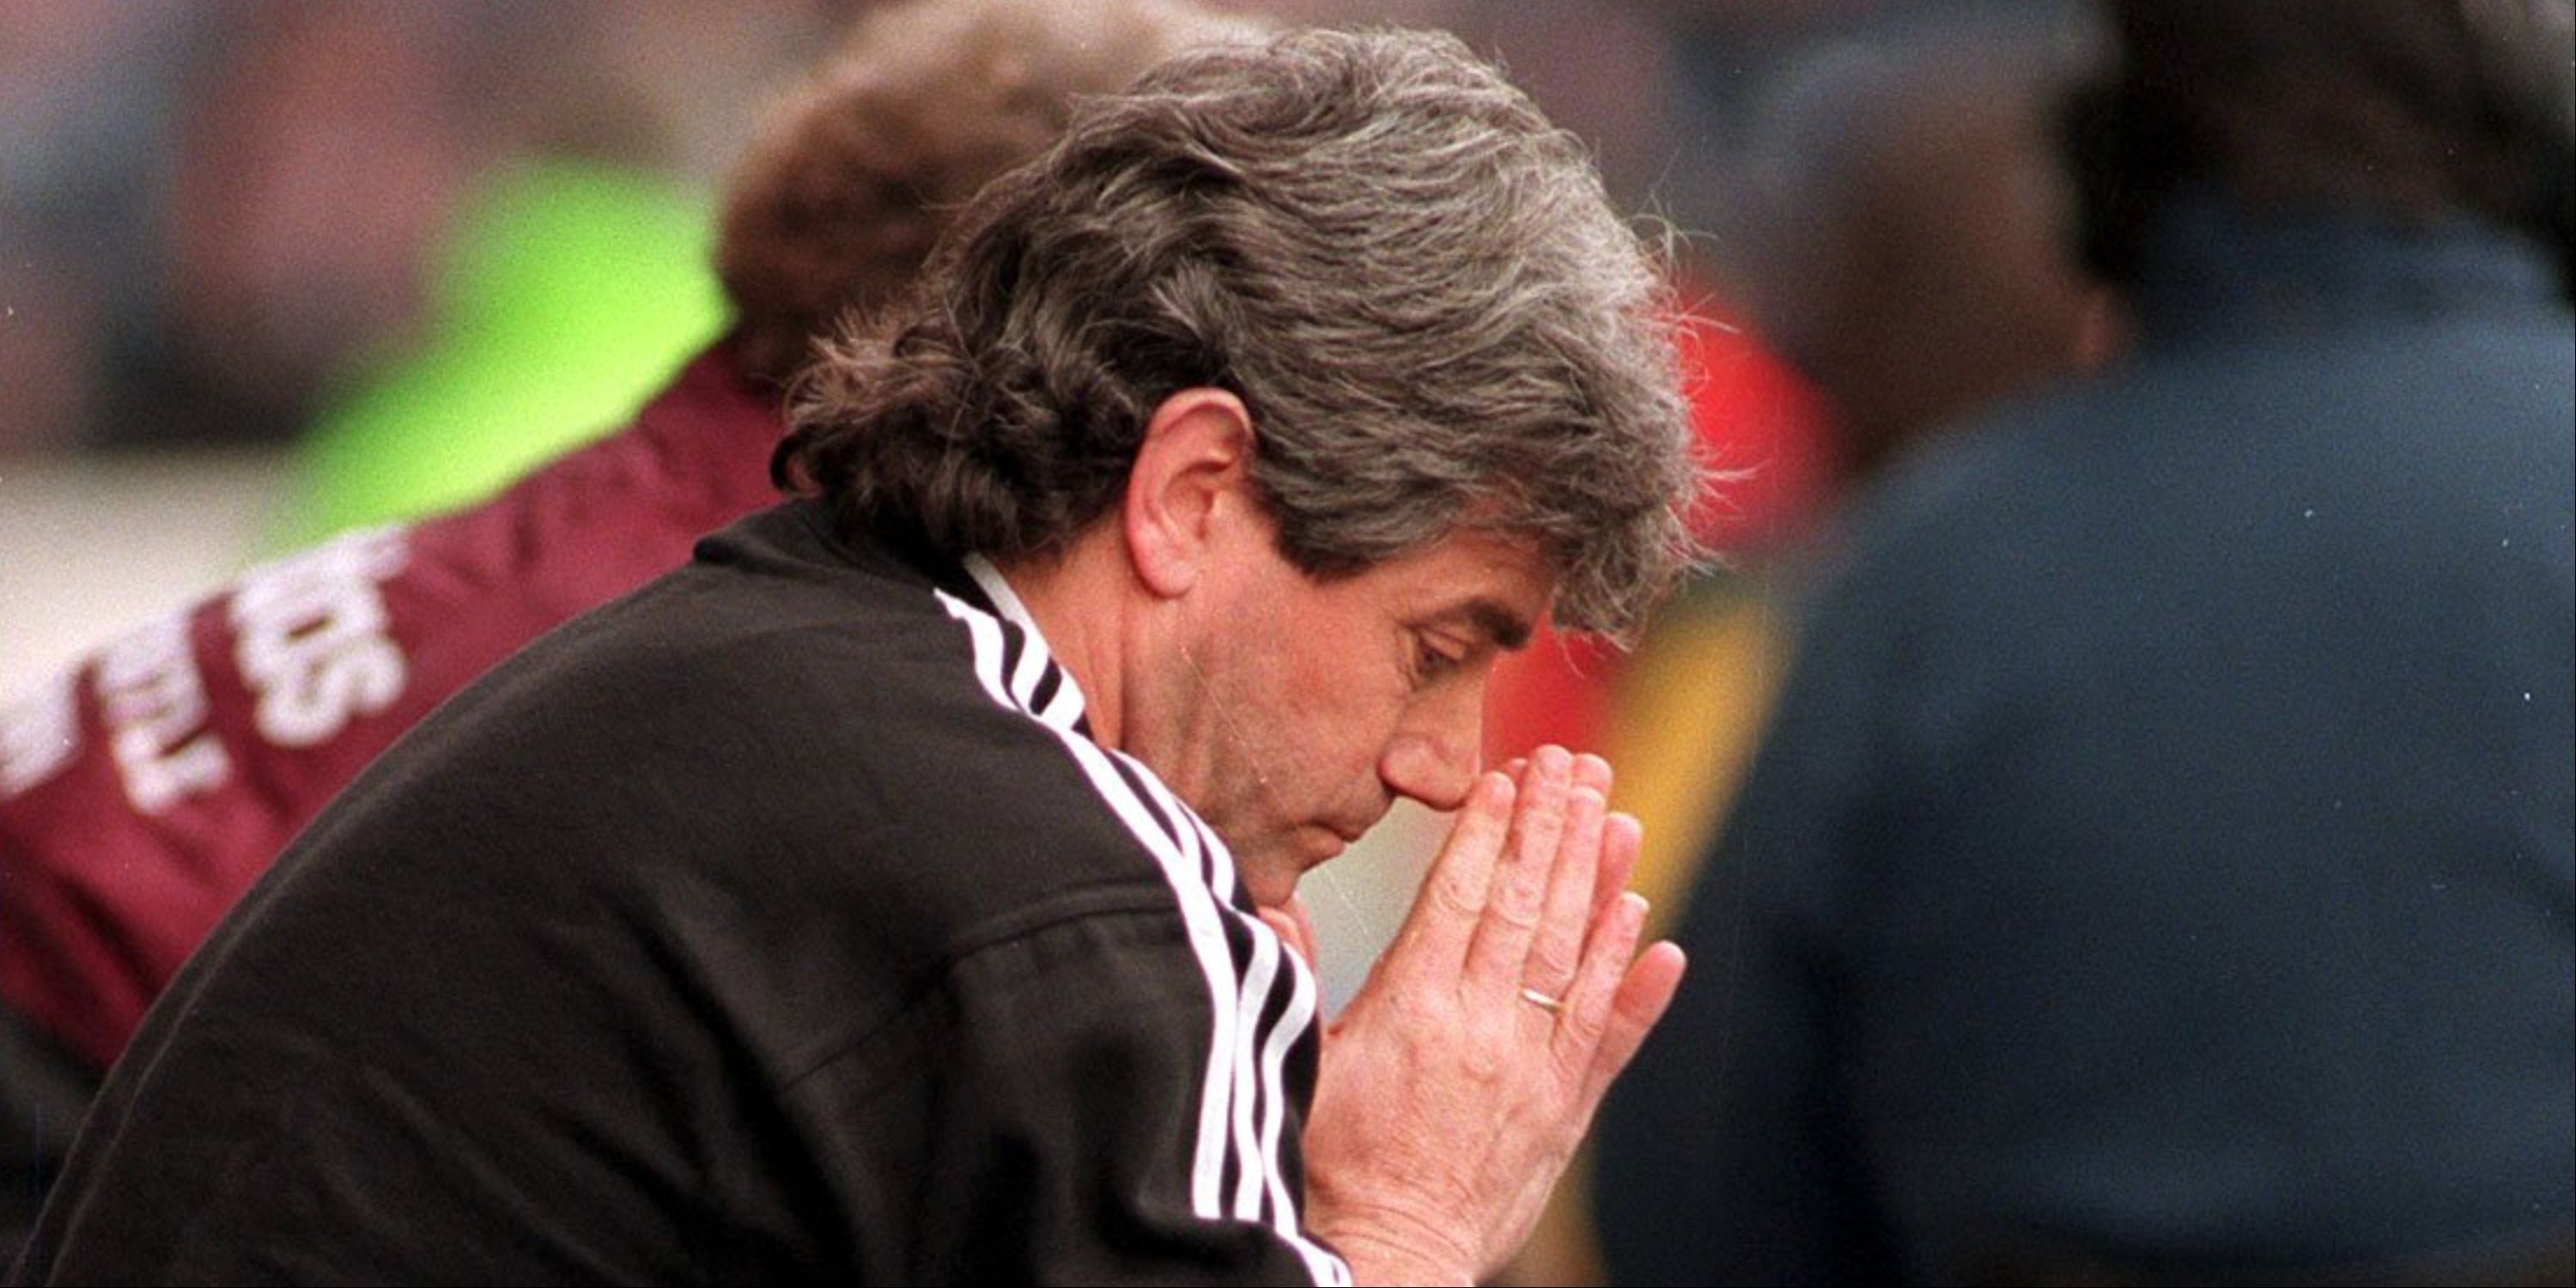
1110	1100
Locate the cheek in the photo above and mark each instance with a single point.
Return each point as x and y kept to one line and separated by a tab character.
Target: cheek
1328	677
1329	720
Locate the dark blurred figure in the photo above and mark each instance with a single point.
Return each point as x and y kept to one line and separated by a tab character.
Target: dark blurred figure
313	155
144	789
212	215
1884	207
1901	235
1898	226
2158	866
1678	92
85	94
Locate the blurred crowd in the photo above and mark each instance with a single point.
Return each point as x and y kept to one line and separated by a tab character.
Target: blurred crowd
212	214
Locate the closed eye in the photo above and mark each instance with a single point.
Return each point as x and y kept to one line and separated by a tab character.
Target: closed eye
1435	660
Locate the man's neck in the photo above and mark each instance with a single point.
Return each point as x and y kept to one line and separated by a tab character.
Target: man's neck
1076	601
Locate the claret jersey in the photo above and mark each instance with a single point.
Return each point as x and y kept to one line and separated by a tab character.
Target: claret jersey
144	789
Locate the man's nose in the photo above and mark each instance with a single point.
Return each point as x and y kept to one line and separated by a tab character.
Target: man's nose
1434	757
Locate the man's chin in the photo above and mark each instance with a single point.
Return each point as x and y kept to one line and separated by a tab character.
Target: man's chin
1269	875
1271	880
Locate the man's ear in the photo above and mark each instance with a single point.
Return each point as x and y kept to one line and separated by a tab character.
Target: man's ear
1190	473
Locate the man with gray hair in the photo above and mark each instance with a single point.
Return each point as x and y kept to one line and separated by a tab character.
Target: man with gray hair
905	889
145	788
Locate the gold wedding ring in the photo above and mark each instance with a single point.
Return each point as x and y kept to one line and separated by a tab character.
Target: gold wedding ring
1541	1000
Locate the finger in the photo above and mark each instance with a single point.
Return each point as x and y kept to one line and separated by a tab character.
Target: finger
1591	1001
1593	772
1501	941
1445	910
1623	838
1645	993
1556	949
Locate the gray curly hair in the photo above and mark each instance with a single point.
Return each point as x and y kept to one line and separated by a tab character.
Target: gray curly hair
1414	282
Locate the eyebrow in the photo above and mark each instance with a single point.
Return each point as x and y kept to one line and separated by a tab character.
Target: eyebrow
1507	629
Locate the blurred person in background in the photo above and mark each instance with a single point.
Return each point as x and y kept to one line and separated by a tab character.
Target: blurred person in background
2157	867
84	91
319	153
822	909
566	290
215	217
575	274
1621	70
216	208
142	790
1901	237
1887	217
1872	238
